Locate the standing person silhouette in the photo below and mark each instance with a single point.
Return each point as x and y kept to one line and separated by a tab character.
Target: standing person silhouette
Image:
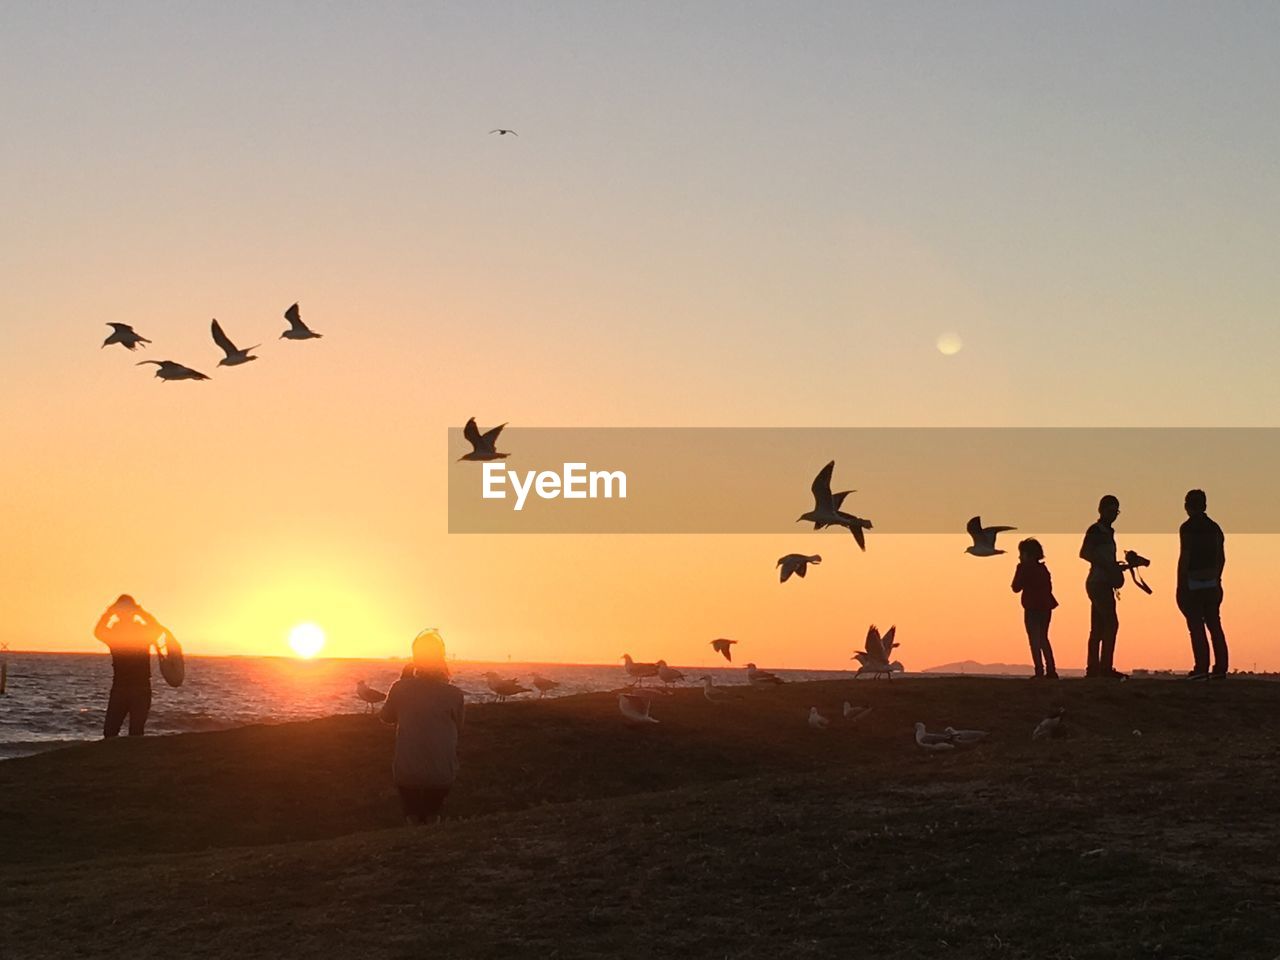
1033	581
1106	576
427	711
129	632
1201	559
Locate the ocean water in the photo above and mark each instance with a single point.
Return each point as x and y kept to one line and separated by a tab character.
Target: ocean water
55	698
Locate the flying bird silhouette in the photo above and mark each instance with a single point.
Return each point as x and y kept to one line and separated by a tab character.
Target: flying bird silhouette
874	657
984	538
796	563
826	510
297	329
502	132
124	335
234	355
170	370
484	446
722	646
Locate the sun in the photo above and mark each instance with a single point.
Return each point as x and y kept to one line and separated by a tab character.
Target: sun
307	640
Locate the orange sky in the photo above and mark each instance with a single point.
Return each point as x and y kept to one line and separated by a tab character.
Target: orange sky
707	219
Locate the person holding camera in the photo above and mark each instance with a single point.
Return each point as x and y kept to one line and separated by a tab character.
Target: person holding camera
1201	559
129	632
1106	576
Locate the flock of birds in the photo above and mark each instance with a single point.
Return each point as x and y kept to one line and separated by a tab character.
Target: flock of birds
233	356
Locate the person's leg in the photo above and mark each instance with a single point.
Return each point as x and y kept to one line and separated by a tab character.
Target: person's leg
117	707
1050	667
431	803
1033	640
409	803
1110	624
139	708
1096	629
1212	611
1193	610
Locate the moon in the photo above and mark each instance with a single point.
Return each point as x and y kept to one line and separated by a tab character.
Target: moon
949	344
307	640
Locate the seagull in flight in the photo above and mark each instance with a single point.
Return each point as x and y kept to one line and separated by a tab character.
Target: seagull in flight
124	335
638	671
933	741
635	708
234	355
170	370
817	720
874	657
762	678
297	329
484	446
502	132
369	695
796	563
722	646
984	538
826	510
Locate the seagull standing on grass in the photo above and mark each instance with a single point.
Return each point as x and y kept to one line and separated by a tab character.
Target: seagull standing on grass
933	741
484	446
668	675
297	329
638	671
826	510
124	335
504	688
984	538
543	684
170	370
716	694
762	678
722	646
369	695
635	708
874	658
234	355
964	737
1052	727
796	563
816	720
854	714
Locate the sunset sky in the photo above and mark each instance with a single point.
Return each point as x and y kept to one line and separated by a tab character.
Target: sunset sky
715	214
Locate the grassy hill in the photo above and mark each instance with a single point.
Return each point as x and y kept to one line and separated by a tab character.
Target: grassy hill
727	830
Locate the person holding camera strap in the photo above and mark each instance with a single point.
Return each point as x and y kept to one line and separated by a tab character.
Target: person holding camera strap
1106	577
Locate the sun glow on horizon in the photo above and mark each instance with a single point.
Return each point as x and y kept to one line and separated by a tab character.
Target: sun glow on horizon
306	640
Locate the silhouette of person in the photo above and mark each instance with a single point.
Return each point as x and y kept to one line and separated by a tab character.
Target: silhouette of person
1106	576
129	632
428	713
1201	559
1033	581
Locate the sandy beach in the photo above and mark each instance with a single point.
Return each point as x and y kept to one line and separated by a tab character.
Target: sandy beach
725	830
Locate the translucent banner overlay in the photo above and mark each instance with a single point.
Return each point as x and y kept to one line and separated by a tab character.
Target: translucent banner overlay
908	480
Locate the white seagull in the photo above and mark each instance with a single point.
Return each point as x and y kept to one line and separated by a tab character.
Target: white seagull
826	510
762	678
719	695
638	671
722	646
369	695
635	708
874	657
234	355
966	736
297	329
796	563
854	714
502	132
933	741
484	446
544	684
668	675
171	370
124	335
504	688
817	720
984	538
1052	727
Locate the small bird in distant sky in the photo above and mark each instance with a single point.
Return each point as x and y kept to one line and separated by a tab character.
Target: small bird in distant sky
169	370
297	329
484	446
234	355
984	538
124	335
817	720
722	646
796	563
502	132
